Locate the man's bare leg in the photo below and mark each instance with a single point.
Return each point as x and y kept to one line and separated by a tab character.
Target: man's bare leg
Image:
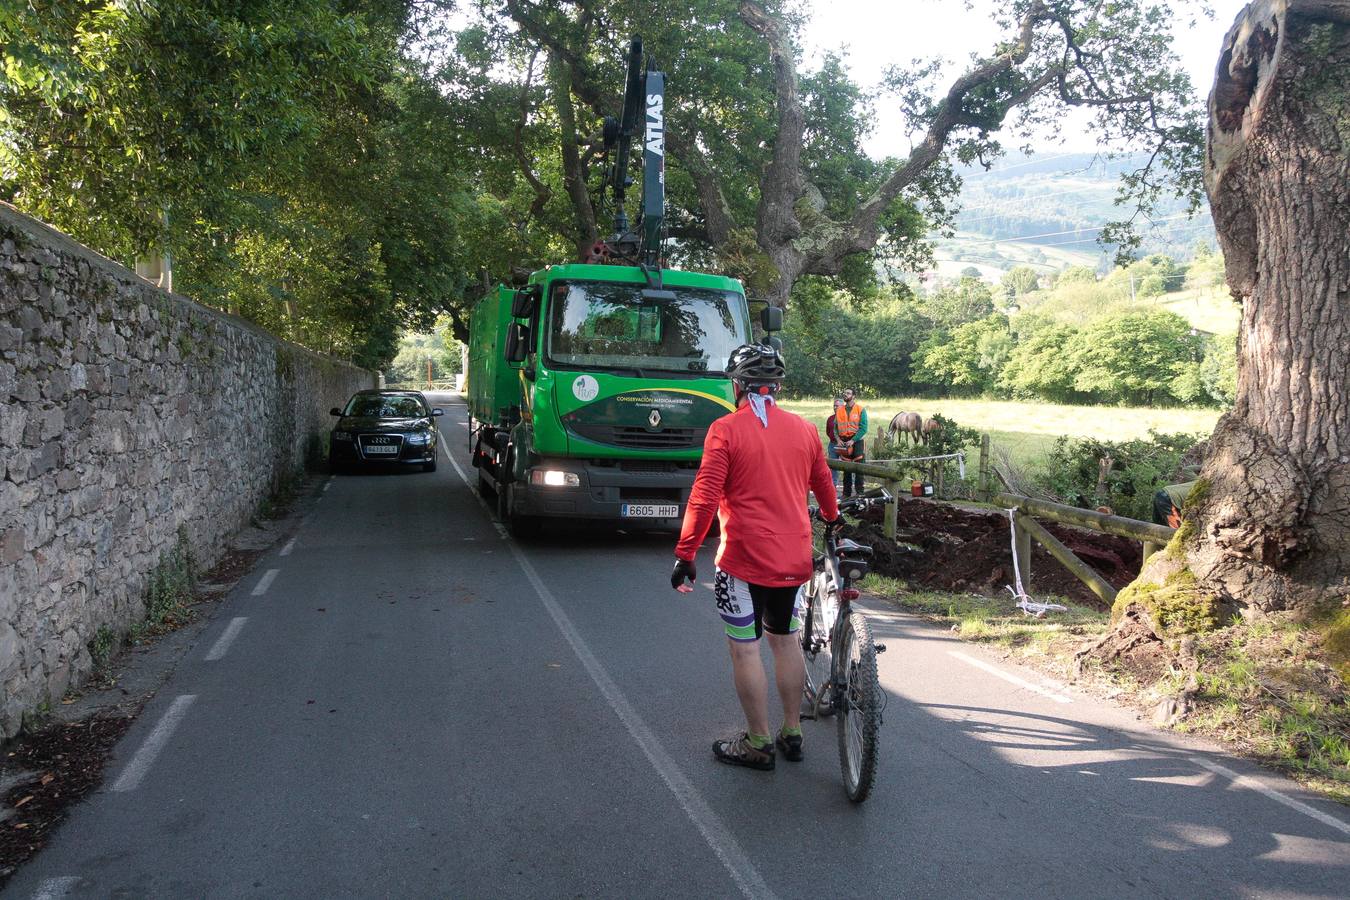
751	684
789	672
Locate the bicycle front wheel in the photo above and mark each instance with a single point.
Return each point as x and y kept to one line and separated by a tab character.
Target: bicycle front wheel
860	701
821	609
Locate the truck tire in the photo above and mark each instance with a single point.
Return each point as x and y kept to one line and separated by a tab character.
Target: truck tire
519	526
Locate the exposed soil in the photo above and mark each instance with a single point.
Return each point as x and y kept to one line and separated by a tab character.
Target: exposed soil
48	771
942	547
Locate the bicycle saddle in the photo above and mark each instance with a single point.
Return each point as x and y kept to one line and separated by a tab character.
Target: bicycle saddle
846	545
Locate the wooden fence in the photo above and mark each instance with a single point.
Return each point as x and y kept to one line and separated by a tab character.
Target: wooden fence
1025	511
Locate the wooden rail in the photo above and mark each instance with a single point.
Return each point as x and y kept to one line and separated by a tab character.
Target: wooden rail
1024	524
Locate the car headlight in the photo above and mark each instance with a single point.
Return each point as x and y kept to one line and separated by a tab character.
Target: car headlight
419	437
342	435
554	478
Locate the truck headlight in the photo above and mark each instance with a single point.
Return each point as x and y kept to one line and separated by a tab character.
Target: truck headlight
342	435
554	478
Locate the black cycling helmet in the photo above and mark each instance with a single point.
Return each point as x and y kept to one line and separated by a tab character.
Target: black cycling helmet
753	366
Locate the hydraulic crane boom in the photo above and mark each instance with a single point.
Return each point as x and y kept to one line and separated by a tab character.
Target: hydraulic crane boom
644	91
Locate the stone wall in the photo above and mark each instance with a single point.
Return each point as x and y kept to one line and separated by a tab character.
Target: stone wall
126	414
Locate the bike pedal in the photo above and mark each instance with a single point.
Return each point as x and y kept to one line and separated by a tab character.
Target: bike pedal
880	648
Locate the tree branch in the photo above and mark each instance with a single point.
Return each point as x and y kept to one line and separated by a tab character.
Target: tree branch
861	231
542	194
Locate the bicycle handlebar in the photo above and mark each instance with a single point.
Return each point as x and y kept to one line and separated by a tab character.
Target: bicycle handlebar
855	505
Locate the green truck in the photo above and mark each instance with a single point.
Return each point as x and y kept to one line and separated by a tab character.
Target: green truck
591	390
591	387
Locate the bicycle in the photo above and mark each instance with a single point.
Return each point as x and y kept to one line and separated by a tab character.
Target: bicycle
841	657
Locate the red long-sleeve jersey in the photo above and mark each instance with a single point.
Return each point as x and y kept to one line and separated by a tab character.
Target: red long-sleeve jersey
755	479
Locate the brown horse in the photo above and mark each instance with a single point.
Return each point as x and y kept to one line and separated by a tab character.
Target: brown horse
932	428
908	423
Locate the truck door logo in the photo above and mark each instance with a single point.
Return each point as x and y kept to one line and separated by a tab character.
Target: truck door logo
585	388
654	419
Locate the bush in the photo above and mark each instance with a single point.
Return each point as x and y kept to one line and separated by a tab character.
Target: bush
1077	474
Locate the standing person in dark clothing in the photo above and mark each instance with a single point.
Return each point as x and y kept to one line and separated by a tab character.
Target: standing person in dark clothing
758	464
832	439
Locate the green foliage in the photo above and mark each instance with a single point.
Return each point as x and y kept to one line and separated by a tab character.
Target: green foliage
828	345
439	348
1136	470
1020	280
967	360
102	646
1218	370
170	586
969	300
1039	366
1135	356
299	169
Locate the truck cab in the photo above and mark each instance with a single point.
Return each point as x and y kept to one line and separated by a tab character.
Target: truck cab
592	388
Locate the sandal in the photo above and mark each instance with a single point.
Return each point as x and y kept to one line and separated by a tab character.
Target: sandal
738	751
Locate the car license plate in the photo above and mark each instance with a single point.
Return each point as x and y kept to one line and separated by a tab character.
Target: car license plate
381	448
650	510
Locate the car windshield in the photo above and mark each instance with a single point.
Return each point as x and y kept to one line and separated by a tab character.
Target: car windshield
606	325
375	406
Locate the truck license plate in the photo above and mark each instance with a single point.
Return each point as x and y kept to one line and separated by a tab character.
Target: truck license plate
650	511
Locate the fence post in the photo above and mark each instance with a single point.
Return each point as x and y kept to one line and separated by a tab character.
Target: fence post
1022	542
892	508
1150	548
982	489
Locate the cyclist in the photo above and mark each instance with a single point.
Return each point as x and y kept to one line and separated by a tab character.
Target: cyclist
758	463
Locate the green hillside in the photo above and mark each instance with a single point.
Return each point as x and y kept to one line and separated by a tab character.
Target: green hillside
1046	211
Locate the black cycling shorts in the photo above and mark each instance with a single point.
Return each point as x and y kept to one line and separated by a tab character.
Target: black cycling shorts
751	609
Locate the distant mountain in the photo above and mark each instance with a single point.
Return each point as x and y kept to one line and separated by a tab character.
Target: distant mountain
1047	210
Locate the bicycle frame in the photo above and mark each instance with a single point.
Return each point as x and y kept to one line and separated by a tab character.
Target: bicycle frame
842	581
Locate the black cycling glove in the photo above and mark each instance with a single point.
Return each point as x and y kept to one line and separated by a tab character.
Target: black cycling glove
684	568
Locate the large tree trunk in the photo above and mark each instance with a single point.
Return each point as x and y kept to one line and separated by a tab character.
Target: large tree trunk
1269	526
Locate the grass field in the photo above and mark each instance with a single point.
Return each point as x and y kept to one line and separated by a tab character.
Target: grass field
1209	309
1026	430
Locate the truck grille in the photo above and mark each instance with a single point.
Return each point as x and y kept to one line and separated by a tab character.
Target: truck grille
637	438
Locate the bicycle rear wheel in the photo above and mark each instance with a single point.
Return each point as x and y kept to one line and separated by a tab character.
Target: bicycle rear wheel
859	713
821	609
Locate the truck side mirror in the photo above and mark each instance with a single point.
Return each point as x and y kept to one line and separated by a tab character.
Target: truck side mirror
522	303
517	343
771	319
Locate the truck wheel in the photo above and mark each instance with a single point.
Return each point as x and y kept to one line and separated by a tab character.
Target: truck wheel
519	526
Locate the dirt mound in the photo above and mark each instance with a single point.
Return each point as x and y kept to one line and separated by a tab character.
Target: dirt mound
942	547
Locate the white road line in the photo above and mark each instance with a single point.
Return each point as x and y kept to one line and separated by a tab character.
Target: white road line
286	550
1009	677
53	888
145	757
265	582
222	644
723	844
327	484
1255	785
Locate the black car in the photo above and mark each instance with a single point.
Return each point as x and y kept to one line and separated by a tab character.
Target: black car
384	427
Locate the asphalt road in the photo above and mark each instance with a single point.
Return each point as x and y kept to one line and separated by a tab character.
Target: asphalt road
415	706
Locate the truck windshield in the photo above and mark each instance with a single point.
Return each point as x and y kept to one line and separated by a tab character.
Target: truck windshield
605	325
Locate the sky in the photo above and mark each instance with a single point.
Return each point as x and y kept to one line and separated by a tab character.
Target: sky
880	33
